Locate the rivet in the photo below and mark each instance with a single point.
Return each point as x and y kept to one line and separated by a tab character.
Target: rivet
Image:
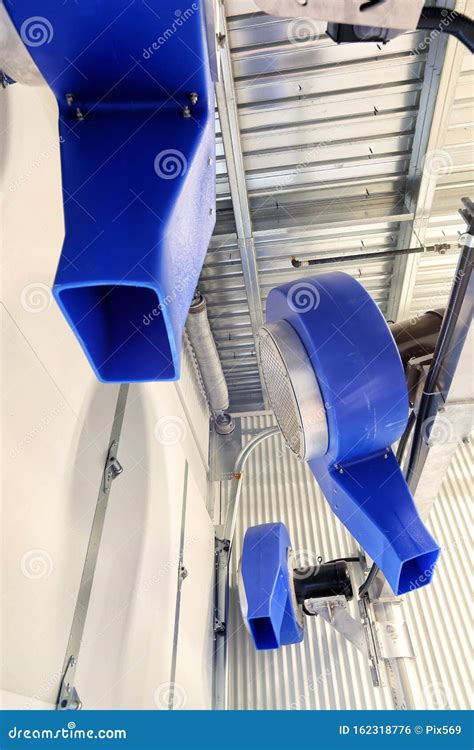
193	97
186	111
69	99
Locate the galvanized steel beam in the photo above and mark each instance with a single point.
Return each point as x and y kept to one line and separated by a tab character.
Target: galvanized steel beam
441	75
229	121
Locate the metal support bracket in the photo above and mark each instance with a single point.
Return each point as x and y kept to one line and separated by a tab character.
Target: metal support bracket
68	698
221	606
112	466
378	641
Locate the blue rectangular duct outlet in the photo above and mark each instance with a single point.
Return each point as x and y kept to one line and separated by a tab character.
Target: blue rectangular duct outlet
137	135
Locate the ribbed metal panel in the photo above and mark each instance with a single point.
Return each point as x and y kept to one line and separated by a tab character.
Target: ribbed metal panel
326	672
326	133
440	616
455	163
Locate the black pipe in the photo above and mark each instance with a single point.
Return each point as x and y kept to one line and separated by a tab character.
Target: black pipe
461	282
448	22
417	337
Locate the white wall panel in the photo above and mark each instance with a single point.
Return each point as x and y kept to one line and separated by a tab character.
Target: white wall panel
56	422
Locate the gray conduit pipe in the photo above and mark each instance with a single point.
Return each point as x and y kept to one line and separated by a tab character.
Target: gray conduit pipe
222	582
205	351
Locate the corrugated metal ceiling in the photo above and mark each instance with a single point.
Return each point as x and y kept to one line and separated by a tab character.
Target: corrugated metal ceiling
327	134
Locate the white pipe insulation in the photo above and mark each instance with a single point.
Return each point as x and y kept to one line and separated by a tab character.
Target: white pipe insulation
207	357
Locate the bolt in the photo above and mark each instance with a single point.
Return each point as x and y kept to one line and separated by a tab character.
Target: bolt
186	111
385	455
211	211
79	114
341	471
465	440
220	39
209	160
193	97
69	99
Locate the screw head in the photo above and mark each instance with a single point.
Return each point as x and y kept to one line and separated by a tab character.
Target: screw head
193	97
186	111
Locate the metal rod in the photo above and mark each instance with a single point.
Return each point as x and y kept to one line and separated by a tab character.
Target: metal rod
296	263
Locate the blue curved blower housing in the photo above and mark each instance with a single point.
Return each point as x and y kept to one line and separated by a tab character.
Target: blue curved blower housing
266	596
362	382
138	171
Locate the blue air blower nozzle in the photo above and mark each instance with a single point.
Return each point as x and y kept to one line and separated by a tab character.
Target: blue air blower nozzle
272	590
336	384
137	140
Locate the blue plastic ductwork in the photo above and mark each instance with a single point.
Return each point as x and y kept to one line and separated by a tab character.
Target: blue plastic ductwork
266	590
136	127
363	387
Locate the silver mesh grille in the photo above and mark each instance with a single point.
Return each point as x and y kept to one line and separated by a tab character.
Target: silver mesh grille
281	393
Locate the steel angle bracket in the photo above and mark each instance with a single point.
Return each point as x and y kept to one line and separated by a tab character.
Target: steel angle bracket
68	698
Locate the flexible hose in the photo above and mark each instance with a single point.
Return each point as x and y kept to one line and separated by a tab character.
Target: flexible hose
456	24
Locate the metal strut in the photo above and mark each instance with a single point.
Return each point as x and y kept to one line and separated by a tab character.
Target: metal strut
68	698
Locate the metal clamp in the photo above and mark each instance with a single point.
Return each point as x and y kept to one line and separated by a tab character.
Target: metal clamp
113	466
68	697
